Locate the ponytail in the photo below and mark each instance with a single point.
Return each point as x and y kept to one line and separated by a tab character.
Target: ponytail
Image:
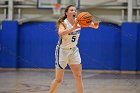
60	20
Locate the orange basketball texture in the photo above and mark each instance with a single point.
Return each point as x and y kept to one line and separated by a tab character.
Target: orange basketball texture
84	19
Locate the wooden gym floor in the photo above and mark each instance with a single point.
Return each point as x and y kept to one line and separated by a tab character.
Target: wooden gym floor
38	81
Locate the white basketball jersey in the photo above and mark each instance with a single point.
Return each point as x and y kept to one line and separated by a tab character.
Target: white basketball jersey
69	40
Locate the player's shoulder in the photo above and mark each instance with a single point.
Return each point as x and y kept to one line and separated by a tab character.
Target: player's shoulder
63	24
65	21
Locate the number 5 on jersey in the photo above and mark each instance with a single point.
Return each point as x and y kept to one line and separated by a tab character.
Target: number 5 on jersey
73	38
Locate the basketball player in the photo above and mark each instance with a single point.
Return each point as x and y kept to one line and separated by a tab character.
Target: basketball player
66	50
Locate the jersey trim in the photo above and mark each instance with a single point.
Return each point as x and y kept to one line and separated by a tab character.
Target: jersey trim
57	57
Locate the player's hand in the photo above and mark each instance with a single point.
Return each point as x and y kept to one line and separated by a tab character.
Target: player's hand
95	24
76	25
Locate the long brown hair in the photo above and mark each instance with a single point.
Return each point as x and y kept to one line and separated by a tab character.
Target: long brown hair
62	18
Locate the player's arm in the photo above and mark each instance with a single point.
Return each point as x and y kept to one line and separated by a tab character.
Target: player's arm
94	24
63	31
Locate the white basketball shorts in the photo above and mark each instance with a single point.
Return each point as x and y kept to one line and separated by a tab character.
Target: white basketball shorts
66	56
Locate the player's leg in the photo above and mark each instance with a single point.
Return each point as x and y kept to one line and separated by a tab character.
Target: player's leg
77	72
58	78
76	67
60	65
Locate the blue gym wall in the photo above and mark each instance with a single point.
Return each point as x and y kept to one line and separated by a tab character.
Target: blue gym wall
36	44
138	46
100	48
129	46
32	45
0	44
8	40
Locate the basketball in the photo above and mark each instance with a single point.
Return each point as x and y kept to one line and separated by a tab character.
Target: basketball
84	19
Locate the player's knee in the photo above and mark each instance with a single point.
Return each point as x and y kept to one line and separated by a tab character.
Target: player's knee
58	80
78	76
